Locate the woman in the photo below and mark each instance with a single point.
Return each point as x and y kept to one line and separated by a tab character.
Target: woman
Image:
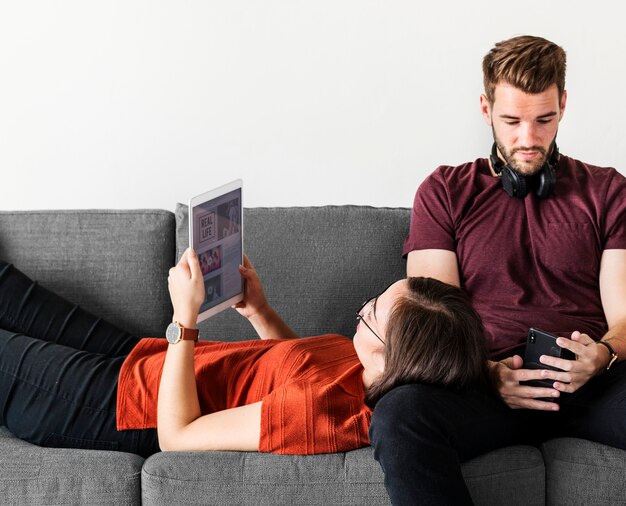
68	379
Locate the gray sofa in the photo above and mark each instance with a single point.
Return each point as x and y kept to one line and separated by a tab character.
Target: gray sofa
317	265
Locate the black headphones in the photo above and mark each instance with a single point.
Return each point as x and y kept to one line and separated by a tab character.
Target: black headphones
516	185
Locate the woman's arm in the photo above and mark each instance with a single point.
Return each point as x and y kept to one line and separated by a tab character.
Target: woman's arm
267	323
180	426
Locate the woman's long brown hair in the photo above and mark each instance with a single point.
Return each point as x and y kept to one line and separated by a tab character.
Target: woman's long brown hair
433	336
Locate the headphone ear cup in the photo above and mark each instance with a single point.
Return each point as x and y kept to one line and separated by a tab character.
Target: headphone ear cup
514	184
546	181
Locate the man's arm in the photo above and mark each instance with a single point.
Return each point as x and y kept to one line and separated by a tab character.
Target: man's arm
613	293
439	264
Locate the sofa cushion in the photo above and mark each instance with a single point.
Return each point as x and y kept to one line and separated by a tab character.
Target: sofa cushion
261	479
510	476
317	264
513	476
112	263
33	475
582	472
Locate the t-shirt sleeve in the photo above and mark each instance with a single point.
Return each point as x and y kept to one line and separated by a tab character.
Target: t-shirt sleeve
302	418
432	226
615	232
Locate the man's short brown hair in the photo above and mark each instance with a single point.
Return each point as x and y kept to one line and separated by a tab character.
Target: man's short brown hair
531	64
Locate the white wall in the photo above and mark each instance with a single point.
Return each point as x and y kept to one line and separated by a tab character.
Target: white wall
143	103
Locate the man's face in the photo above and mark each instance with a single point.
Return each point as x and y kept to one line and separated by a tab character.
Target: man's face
524	125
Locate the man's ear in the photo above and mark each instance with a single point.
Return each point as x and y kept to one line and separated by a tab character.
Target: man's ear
485	109
563	104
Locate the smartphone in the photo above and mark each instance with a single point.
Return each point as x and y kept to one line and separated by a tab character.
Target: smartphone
539	342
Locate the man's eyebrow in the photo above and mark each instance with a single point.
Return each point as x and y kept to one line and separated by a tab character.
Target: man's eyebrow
374	308
543	116
547	115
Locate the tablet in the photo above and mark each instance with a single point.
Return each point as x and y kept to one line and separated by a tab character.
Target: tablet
216	235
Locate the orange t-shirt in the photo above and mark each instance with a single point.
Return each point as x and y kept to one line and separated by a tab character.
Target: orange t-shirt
311	388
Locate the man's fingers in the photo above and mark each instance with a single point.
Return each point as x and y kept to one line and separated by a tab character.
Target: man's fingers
560	363
528	392
537	405
508	362
565	387
526	374
576	347
579	337
514	362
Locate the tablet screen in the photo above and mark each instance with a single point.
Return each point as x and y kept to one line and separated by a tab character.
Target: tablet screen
216	234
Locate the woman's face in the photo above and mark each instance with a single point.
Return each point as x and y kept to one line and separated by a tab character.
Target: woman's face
371	330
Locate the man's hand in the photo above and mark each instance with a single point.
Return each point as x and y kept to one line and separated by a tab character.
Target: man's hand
507	375
591	359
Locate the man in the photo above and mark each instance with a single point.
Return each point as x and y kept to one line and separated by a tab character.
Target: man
537	239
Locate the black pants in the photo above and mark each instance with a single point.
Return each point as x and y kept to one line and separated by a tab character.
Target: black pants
59	368
422	433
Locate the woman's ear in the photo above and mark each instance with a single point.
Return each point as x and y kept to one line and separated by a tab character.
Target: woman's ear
379	360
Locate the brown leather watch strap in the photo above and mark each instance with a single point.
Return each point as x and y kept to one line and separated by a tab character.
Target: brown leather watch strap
188	334
612	353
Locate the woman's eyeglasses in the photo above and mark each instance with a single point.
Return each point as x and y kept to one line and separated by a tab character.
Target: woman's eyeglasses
366	308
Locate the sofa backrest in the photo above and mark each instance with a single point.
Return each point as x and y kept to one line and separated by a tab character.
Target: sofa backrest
112	263
317	264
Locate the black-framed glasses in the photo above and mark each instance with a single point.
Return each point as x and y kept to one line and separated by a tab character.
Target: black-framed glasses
365	310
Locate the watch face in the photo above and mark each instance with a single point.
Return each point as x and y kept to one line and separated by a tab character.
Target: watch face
172	334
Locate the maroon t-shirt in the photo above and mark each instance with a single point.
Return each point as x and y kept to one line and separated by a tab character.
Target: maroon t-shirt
525	262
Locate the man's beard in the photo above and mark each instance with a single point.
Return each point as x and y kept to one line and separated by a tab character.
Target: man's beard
524	169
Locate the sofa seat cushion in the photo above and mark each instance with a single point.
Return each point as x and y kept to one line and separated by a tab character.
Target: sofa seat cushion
510	476
582	472
262	479
30	474
513	476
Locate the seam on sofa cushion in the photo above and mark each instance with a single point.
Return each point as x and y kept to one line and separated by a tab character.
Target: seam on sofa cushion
508	472
578	463
117	479
107	212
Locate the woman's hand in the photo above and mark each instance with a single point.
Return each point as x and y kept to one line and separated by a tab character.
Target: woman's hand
256	309
186	287
254	302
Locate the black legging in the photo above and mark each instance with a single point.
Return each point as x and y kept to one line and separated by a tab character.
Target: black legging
59	368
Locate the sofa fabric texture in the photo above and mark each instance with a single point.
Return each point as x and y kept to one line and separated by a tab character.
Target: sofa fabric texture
317	266
112	263
46	476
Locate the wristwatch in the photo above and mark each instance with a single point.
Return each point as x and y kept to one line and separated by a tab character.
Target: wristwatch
176	332
612	352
